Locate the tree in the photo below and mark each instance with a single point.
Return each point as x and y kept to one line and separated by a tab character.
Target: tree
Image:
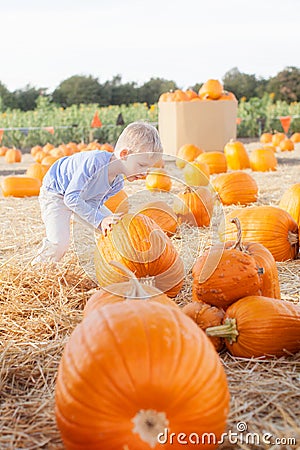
25	99
150	91
6	97
286	85
123	93
241	84
76	90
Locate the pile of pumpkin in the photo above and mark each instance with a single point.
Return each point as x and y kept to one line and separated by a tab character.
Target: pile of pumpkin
44	157
210	90
138	363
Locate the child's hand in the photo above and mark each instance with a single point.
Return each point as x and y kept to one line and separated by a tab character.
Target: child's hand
108	222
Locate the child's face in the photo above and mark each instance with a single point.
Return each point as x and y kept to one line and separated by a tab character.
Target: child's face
136	165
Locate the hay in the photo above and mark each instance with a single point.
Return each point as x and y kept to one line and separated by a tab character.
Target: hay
40	308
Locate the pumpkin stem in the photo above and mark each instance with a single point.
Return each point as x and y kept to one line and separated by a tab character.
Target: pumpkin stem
227	331
238	243
137	290
148	424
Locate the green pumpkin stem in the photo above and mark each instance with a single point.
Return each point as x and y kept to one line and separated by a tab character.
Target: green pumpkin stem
227	331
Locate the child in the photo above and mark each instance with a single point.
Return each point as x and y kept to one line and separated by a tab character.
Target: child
81	183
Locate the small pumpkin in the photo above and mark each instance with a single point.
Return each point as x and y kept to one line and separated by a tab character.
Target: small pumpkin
268	225
39	156
138	243
194	206
20	186
162	214
3	151
263	160
295	138
158	179
129	372
277	138
266	138
216	161
107	147
35	149
286	145
260	326
187	153
196	173
236	155
205	316
226	95
48	160
290	202
118	203
211	89
13	155
37	170
236	188
191	94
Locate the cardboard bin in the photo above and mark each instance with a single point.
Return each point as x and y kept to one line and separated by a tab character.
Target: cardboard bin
206	123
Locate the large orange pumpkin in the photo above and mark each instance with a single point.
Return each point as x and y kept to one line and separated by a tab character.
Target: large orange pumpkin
260	326
194	207
263	160
141	245
129	374
216	161
236	155
162	214
118	203
187	153
268	225
236	188
211	89
290	202
20	186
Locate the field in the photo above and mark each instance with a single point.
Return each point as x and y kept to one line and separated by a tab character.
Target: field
39	308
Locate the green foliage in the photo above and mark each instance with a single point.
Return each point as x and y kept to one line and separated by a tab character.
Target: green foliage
286	85
77	90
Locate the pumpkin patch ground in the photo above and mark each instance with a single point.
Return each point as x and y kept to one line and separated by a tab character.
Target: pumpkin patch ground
39	310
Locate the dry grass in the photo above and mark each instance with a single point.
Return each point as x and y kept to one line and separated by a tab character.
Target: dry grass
40	308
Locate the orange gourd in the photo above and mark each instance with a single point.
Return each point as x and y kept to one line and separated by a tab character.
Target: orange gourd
48	147
131	371
158	179
37	170
268	225
290	202
236	188
191	94
277	138
39	156
286	145
118	203
162	214
19	186
128	290
187	153
196	173
216	161
226	95
35	149
260	326
236	155
180	96
194	207
295	138
263	160
205	316
211	89
140	244
266	138
13	155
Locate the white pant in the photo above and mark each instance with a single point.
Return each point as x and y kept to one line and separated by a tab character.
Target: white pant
56	217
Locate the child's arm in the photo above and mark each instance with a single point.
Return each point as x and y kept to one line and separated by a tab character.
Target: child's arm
108	222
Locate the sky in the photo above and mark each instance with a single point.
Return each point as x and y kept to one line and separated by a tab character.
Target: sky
188	41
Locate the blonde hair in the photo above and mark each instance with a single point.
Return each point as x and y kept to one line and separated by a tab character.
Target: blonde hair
138	137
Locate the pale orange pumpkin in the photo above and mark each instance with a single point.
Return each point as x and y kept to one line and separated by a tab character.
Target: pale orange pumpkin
180	96
166	97
47	147
35	149
295	138
268	225
37	170
196	173
194	207
236	188
118	203
39	156
226	95
162	214
266	138
187	153
140	244
277	138
158	179
191	94
13	155
48	160
3	151
236	155
263	160
290	202
216	161
131	371
20	186
211	89
286	145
